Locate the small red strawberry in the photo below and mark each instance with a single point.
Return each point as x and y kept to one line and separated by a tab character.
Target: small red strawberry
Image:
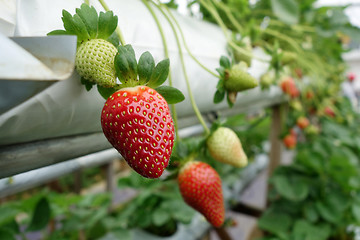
328	111
298	72
309	94
302	122
290	141
200	187
137	122
351	77
289	87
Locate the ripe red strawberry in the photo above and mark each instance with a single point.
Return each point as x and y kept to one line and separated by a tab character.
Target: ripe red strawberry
289	87
225	146
302	122
137	122
290	141
351	77
200	187
328	111
309	94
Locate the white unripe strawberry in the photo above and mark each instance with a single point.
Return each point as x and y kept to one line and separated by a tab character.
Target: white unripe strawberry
95	62
225	146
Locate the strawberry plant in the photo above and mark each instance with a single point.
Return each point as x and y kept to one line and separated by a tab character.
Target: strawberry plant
157	209
136	118
318	195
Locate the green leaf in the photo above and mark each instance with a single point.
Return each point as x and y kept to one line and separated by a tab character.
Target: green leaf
170	94
286	10
106	92
145	67
89	17
309	231
310	213
219	96
225	62
160	216
125	64
114	39
97	230
327	212
275	222
117	234
221	71
7	234
88	85
159	74
291	187
75	26
41	215
107	24
58	32
355	209
7	214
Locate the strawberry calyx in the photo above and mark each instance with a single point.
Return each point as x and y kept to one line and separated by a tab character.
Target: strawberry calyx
86	24
143	73
234	78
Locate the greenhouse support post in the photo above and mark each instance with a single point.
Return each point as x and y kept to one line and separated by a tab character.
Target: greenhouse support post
275	131
78	181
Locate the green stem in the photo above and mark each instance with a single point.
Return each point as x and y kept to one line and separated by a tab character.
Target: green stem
225	30
117	30
192	100
166	51
229	15
279	35
87	2
185	44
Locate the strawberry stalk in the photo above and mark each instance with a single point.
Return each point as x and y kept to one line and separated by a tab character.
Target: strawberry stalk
184	42
212	10
192	100
166	52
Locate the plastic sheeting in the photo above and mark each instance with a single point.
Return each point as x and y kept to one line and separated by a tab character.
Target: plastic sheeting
65	108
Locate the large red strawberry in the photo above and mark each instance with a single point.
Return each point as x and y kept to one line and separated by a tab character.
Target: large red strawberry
200	187
137	122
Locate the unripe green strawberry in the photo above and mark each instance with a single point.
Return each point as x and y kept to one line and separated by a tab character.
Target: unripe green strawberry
200	187
95	62
288	57
312	130
266	80
95	55
237	79
225	146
